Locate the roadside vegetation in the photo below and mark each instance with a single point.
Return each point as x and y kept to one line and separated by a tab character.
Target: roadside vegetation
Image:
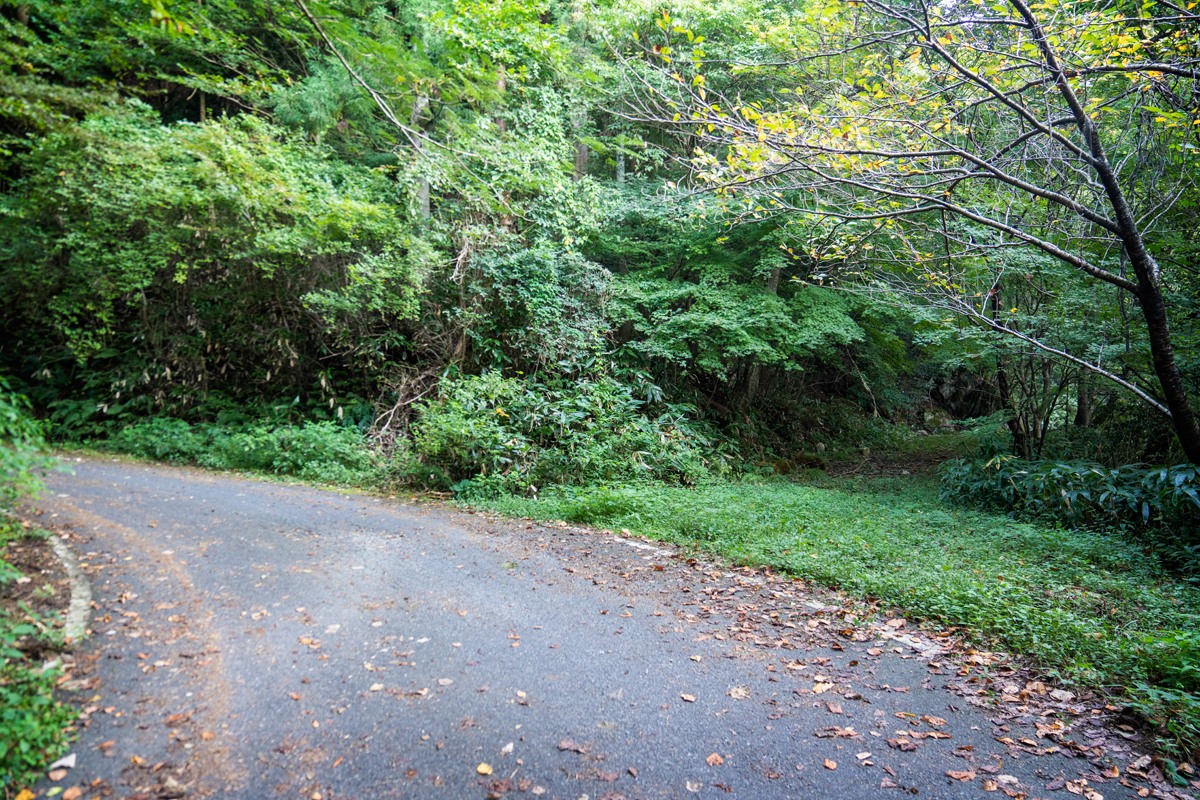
33	722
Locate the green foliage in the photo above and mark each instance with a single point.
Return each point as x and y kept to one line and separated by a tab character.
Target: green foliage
521	435
21	445
1133	497
31	720
121	206
535	308
324	452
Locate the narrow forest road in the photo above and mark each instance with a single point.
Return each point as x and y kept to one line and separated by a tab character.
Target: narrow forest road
255	640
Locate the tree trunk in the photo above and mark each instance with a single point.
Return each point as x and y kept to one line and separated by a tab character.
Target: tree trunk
1020	441
578	118
423	208
620	167
1083	410
1154	310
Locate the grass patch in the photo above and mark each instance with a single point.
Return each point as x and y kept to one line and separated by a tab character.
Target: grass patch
1088	608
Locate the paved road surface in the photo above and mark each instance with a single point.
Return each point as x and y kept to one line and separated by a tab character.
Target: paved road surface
255	640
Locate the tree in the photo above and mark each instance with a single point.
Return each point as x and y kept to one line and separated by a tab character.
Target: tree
932	147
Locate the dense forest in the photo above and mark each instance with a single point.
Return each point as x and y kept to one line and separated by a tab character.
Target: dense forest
509	249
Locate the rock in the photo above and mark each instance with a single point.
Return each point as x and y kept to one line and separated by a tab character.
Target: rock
936	419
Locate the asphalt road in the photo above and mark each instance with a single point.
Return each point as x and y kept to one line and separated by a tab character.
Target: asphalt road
256	640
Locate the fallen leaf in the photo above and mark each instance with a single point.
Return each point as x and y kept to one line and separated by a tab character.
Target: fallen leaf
375	687
896	623
961	776
608	777
1142	792
1092	794
714	760
74	793
569	744
688	698
888	783
990	785
862	756
137	760
1076	787
874	651
25	794
820	688
934	720
633	771
293	695
507	749
693	786
1111	772
58	774
834	708
830	764
739	693
207	735
695	658
445	681
484	769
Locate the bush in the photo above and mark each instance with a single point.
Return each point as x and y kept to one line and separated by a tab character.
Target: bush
1165	500
520	433
318	451
21	443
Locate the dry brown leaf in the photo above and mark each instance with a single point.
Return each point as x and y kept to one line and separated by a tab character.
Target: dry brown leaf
294	696
376	687
990	785
739	693
874	651
1143	792
1111	772
58	774
74	793
484	769
934	720
820	688
207	735
714	760
834	708
830	764
688	698
961	776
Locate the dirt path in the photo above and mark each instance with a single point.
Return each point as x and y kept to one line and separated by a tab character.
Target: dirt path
255	640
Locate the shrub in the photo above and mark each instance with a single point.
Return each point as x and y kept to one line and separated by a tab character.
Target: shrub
318	451
21	443
1165	500
522	433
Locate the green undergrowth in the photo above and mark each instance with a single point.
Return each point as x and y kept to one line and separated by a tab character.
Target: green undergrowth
32	721
1087	608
